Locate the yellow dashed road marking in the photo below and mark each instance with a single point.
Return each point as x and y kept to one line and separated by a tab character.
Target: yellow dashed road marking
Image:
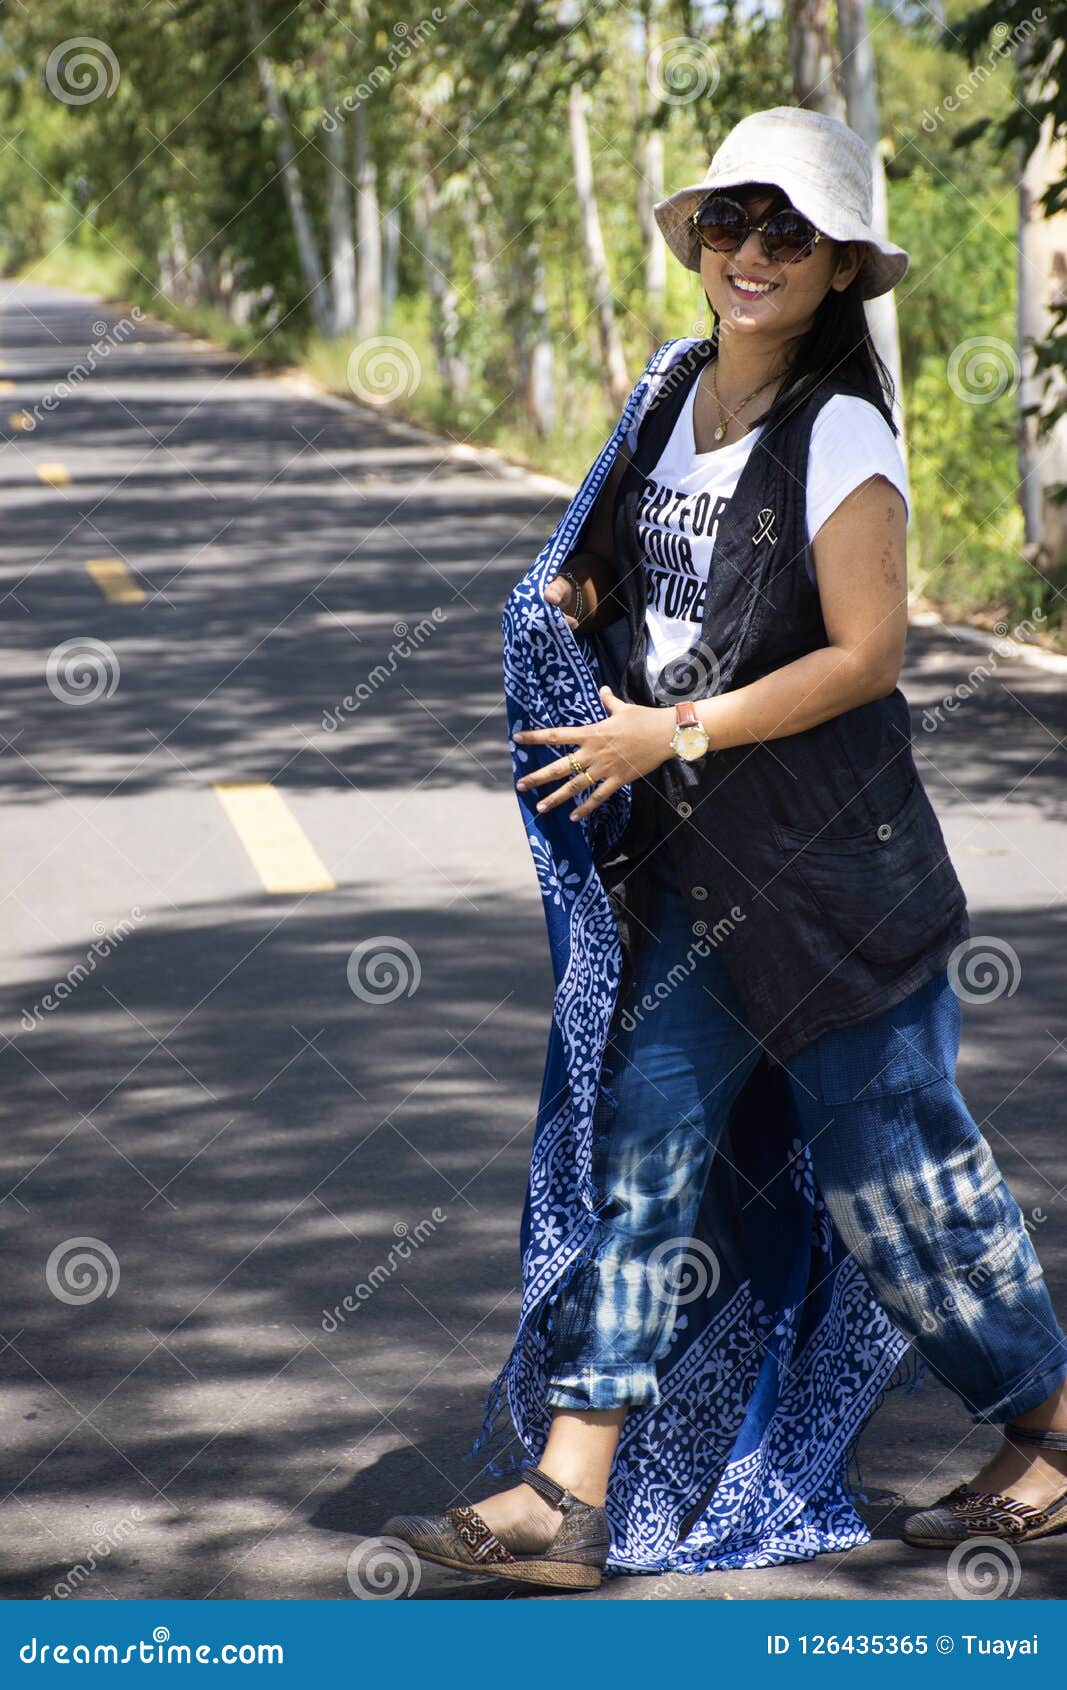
54	475
281	852
114	580
21	420
7	387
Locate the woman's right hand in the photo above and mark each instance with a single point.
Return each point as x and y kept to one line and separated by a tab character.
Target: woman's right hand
561	592
593	567
600	603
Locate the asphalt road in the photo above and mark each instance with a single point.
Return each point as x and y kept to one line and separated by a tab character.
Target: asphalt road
200	564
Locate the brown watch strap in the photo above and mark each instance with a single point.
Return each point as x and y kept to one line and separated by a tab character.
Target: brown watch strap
685	715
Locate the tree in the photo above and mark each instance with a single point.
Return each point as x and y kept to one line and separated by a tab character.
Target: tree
812	57
1032	129
614	375
306	244
861	92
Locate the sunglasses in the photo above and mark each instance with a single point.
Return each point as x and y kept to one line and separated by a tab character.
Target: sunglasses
722	225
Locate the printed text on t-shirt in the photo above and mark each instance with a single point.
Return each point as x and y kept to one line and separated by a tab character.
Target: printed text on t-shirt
667	522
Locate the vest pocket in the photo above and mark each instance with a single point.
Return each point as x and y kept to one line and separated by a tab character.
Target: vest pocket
885	891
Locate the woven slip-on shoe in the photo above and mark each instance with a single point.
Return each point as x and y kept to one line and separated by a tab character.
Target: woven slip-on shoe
460	1538
963	1513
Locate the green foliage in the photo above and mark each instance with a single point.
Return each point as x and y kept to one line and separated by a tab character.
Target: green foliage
970	525
168	189
957	308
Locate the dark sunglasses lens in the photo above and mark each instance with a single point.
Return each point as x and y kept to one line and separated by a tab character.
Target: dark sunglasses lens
721	224
789	236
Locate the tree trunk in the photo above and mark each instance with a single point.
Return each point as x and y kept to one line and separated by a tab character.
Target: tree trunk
368	228
540	387
616	379
444	301
339	201
1042	283
303	233
390	245
655	245
1028	321
483	269
861	90
812	58
650	185
173	259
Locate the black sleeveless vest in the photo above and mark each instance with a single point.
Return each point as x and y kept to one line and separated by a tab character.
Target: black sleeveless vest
814	862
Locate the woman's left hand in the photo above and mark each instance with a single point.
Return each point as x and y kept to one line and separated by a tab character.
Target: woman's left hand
634	740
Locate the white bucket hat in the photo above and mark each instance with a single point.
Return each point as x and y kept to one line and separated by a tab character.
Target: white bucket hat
823	166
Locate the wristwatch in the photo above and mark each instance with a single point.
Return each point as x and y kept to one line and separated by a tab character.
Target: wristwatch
690	741
579	596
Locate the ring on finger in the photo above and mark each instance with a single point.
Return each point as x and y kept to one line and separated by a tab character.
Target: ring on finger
575	766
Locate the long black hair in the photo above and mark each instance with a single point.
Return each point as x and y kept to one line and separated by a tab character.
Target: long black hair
837	346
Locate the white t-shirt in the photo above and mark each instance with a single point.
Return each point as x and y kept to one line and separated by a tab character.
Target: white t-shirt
690	491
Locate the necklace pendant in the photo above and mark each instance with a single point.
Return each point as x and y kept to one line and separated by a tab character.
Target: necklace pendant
720	431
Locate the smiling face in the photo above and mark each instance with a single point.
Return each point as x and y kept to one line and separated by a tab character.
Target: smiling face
754	295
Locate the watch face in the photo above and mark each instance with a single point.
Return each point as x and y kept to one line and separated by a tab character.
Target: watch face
690	743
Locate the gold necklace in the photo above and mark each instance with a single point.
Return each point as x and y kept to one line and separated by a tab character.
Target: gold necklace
726	417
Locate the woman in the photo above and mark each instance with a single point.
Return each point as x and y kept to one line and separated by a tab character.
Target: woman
787	915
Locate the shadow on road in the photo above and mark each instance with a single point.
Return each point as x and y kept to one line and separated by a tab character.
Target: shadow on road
250	1139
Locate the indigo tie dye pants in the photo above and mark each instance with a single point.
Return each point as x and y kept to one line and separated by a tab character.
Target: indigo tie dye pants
906	1175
